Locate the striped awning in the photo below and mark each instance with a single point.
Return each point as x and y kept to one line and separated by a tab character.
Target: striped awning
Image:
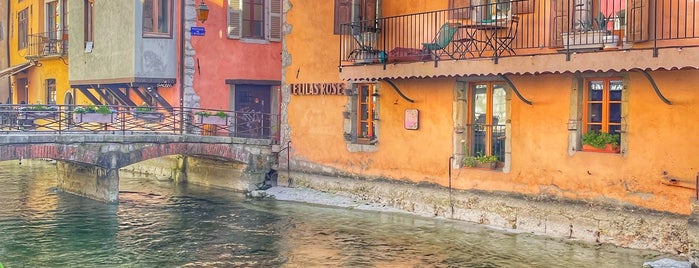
16	69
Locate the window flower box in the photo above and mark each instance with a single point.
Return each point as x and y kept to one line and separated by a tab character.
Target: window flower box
150	117
609	148
94	118
212	120
33	115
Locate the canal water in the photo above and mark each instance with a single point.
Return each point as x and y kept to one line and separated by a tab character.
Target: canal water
158	224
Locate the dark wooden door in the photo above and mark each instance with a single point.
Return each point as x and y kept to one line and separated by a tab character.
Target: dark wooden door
252	106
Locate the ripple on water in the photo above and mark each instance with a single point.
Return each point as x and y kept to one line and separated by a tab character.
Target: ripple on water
156	224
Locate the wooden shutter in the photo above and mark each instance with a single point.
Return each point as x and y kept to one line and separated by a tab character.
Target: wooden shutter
637	20
235	19
463	13
343	14
275	21
522	6
560	21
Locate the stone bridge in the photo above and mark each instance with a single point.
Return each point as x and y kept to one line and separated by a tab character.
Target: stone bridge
88	165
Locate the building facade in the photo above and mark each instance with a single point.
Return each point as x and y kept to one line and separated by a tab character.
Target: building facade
37	50
498	96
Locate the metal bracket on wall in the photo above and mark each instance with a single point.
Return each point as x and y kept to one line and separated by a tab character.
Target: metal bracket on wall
655	86
398	90
512	86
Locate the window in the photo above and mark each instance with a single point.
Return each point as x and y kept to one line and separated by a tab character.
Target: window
487	113
366	97
255	19
157	18
363	115
602	105
51	91
52	19
364	11
23	29
89	23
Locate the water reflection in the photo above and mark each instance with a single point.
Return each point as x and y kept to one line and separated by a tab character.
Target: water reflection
157	224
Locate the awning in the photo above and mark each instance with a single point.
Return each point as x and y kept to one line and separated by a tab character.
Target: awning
16	69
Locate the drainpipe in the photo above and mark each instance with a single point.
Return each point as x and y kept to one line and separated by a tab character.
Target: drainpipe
451	204
7	46
182	54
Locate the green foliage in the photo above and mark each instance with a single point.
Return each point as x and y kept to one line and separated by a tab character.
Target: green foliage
143	109
600	139
488	158
469	161
39	107
220	114
102	109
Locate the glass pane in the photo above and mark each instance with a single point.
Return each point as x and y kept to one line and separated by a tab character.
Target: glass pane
615	112
594	128
364	93
364	113
614	129
479	104
595	90
499	105
615	88
594	113
363	129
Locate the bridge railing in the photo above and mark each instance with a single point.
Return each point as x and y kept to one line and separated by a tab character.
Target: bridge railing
128	120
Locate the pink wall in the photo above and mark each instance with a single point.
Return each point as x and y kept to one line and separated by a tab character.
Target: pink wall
218	58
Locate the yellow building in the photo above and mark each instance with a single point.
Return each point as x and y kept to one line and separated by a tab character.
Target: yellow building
433	91
38	43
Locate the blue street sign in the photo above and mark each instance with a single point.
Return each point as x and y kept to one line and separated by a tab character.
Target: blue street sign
197	31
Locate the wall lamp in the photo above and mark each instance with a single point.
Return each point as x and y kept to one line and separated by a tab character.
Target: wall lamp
202	12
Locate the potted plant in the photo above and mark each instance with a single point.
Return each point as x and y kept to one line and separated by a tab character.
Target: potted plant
218	118
146	113
595	141
94	114
481	161
588	34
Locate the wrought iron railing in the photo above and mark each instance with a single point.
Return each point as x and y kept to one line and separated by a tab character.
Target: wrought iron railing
46	44
126	120
542	27
484	140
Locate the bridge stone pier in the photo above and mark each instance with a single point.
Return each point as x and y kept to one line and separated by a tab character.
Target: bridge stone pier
88	165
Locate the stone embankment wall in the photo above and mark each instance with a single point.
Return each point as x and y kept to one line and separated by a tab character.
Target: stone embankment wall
620	224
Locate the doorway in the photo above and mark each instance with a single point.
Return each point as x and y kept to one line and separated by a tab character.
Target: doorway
253	108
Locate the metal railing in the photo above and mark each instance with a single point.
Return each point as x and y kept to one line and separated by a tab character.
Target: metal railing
542	27
484	140
48	44
127	120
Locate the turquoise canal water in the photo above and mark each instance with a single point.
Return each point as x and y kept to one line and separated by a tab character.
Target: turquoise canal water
157	224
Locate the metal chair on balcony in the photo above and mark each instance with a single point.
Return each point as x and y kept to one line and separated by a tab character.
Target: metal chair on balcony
438	46
504	42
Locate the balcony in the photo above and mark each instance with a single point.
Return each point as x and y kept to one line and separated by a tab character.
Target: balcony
528	36
48	44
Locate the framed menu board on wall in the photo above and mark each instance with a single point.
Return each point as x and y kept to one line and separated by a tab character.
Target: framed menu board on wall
412	119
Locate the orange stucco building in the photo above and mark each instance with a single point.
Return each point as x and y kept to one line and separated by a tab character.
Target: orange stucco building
523	98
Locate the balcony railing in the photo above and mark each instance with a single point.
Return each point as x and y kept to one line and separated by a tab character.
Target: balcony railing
521	28
48	44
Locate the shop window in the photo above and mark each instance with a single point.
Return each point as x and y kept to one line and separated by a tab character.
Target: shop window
485	126
363	116
157	16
